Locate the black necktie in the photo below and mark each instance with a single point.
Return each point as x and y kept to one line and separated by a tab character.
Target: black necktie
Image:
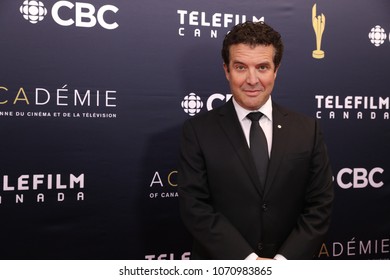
258	146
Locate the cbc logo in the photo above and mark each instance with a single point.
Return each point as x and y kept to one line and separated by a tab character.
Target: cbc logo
192	104
377	35
359	178
33	11
85	14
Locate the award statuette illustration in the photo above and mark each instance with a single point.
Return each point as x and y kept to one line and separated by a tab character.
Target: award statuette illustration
319	27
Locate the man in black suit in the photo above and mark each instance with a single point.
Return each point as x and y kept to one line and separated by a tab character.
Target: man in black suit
232	210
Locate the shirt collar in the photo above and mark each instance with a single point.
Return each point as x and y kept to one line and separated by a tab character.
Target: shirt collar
266	109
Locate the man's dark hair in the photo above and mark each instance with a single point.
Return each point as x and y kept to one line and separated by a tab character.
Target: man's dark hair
253	34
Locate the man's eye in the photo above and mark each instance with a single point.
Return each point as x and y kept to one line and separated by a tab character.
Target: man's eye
240	67
263	67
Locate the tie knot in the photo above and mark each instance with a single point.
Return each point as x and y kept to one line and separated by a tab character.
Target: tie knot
254	116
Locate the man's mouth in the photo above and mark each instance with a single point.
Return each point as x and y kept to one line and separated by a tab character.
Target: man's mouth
252	91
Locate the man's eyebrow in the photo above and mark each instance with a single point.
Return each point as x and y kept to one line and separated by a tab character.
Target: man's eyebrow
237	61
266	62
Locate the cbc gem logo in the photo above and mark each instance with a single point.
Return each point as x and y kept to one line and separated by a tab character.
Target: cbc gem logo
33	11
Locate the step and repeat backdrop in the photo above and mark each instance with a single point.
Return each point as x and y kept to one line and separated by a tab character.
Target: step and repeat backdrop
93	95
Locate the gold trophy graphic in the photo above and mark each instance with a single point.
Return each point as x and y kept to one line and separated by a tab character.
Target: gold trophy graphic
319	27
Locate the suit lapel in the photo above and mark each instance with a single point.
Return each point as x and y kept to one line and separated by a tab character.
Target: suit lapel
280	135
232	127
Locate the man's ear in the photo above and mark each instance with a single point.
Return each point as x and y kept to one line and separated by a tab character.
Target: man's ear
276	71
227	73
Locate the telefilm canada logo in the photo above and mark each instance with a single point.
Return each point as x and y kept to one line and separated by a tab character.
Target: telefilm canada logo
169	256
41	188
67	13
196	24
335	107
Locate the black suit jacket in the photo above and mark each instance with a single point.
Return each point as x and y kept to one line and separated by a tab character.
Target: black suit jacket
221	203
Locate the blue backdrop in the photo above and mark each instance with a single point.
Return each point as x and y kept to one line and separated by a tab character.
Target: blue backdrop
93	95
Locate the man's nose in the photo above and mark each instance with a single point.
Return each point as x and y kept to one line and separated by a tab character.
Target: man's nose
252	77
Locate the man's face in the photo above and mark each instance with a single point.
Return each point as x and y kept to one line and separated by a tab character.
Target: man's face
251	74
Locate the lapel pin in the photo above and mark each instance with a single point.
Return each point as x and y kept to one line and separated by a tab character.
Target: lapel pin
279	126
